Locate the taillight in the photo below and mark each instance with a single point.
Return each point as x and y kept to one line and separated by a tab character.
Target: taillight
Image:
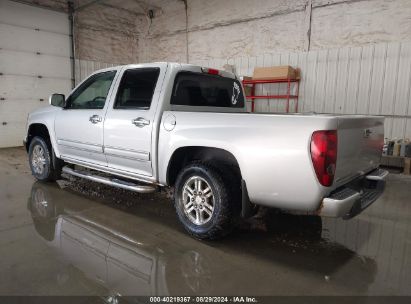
210	71
324	155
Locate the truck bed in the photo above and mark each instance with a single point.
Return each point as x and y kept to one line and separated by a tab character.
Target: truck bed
273	150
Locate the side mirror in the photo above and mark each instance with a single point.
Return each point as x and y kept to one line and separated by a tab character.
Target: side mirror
57	100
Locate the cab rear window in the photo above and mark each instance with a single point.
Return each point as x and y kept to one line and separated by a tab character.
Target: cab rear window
204	90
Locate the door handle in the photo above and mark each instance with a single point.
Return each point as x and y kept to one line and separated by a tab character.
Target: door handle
95	119
140	122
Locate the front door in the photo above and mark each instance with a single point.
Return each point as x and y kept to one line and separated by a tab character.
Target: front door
129	121
79	126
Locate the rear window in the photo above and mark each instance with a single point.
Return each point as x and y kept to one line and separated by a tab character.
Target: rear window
204	90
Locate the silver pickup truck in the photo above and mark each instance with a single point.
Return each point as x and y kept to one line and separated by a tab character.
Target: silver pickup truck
144	126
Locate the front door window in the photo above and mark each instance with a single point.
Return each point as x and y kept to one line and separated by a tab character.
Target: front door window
92	94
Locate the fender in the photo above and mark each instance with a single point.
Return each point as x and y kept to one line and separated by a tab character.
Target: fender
46	117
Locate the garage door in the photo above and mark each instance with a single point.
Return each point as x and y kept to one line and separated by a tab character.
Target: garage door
34	62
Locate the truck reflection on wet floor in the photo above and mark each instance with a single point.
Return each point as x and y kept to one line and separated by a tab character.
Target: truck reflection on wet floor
144	251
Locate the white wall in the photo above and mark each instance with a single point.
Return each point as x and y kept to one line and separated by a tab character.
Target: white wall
374	79
84	68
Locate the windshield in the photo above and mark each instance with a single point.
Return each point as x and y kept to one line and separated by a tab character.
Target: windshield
204	90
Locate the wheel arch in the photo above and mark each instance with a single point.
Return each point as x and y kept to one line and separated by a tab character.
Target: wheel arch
37	129
184	155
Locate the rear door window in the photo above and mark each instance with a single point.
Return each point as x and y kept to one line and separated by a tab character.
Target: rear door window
137	88
204	90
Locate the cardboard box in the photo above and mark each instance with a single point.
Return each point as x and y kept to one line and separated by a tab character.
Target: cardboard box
297	73
276	72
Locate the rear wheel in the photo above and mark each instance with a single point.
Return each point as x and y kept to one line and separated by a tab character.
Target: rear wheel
41	161
204	201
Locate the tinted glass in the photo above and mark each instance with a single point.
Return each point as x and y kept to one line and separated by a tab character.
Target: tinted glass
137	88
92	93
195	89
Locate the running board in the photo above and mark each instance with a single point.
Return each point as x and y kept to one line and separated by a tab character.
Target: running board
109	181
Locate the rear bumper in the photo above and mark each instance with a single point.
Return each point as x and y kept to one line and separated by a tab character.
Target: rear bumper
351	199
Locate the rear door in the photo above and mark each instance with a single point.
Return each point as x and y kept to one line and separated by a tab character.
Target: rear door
79	126
129	120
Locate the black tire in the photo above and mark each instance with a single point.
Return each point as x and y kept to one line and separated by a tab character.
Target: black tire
226	205
48	170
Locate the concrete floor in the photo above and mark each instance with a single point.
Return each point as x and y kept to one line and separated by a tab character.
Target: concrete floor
79	238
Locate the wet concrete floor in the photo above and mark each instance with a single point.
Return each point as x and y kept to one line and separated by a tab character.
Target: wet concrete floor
80	238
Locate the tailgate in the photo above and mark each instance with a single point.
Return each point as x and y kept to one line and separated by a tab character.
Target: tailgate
360	142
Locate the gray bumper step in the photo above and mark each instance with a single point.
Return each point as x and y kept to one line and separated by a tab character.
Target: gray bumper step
347	202
114	182
377	175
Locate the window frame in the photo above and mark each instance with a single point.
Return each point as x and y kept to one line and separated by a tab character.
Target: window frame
123	74
83	83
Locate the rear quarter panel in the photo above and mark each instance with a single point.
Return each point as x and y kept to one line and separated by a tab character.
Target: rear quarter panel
272	152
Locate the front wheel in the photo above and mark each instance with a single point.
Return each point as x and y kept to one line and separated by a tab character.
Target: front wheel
40	158
205	202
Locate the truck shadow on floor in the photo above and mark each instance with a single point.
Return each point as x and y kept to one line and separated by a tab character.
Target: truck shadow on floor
260	248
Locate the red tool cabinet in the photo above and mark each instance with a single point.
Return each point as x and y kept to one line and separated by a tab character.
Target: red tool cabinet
287	96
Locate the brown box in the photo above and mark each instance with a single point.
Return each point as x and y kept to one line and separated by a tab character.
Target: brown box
276	72
297	73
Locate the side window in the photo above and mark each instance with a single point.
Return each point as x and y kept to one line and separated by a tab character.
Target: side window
137	88
92	93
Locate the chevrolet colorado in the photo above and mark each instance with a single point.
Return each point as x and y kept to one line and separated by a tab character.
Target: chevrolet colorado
144	126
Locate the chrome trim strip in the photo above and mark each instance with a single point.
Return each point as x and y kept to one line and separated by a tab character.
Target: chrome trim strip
125	157
82	149
128	150
88	147
127	153
77	142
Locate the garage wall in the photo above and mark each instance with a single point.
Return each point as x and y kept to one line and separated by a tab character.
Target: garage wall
102	31
216	29
107	34
374	79
34	62
83	68
353	54
233	28
333	41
